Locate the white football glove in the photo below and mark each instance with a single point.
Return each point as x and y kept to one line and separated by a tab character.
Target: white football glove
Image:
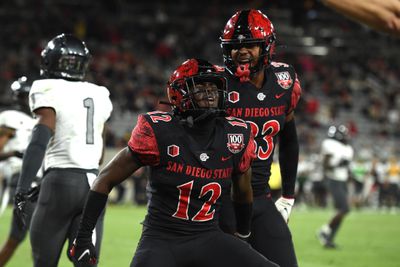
284	206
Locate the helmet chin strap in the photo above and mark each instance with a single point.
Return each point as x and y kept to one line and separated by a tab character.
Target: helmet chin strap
243	72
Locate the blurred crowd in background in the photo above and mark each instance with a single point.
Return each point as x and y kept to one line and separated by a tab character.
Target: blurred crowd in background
349	74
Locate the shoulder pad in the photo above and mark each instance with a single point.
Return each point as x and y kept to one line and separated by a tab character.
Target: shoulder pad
219	68
296	93
158	116
230	118
237	122
279	64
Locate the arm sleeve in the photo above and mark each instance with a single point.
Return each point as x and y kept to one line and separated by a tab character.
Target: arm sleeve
288	158
143	143
248	155
243	213
33	156
94	206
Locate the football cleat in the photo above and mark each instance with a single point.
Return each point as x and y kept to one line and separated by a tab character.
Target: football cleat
324	235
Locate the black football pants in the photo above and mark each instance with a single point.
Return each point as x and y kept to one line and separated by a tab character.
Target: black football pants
212	249
57	215
270	234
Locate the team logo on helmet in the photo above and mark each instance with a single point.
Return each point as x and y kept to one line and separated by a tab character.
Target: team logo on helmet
173	150
233	97
235	143
284	79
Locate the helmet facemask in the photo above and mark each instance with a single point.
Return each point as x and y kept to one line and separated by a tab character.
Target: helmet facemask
197	90
203	96
232	67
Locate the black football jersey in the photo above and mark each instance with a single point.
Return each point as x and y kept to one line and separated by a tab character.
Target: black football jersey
186	180
265	109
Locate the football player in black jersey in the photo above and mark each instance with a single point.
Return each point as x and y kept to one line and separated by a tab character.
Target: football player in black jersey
195	153
263	93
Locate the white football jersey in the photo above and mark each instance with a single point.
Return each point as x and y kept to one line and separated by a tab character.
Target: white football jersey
81	109
338	152
23	124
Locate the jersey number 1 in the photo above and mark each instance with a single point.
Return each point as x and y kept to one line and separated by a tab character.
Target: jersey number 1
89	105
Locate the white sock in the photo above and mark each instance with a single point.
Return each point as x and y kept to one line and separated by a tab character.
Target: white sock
326	229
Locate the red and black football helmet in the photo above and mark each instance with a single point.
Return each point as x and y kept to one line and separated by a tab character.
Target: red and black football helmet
184	84
66	57
248	27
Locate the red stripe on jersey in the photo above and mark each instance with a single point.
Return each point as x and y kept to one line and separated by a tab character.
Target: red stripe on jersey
143	143
248	155
296	93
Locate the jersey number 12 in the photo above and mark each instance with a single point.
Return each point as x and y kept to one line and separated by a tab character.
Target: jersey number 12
206	212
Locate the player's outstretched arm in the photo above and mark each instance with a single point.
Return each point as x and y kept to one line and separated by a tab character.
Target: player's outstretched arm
378	14
117	170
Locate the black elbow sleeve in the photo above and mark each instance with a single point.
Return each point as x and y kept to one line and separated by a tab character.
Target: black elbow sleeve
288	158
33	156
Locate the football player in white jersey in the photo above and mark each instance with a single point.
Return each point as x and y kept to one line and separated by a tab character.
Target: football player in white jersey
68	138
15	131
337	155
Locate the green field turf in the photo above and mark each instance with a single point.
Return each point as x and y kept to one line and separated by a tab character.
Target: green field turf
367	239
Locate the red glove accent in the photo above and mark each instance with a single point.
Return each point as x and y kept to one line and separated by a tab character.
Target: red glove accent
243	72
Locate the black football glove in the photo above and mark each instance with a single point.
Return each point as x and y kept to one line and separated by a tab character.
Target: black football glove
33	193
344	163
82	250
19	209
18	154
